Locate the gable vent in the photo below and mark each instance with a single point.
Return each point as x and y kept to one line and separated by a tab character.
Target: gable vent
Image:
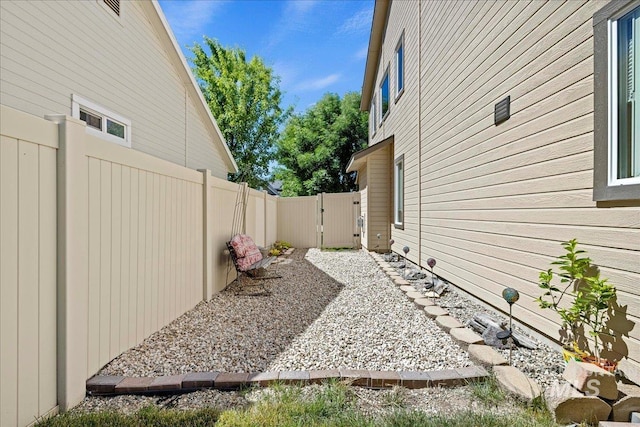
113	5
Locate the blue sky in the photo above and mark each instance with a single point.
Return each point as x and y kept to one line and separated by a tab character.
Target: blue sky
315	46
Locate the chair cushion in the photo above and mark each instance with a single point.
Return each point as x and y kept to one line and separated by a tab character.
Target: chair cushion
247	251
241	243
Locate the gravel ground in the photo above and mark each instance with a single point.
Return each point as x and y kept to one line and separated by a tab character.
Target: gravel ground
544	364
329	310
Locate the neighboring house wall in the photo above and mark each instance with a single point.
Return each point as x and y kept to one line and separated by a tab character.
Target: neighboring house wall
126	64
495	202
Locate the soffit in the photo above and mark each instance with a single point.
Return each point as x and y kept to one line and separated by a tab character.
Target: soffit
359	159
378	27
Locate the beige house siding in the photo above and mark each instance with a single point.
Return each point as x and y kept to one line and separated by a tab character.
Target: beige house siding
495	202
113	62
402	126
379	169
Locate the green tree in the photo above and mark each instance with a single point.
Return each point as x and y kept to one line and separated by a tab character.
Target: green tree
316	146
244	97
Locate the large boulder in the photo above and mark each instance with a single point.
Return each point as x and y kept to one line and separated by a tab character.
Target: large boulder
568	405
629	401
591	379
513	381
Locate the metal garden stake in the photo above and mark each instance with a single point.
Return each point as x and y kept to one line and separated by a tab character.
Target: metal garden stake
431	262
406	251
510	295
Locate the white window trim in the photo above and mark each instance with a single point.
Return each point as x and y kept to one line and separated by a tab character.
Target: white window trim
612	70
374	119
398	46
78	102
397	221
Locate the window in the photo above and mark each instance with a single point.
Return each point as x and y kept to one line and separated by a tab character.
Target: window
398	194
617	108
384	96
102	122
400	67
374	122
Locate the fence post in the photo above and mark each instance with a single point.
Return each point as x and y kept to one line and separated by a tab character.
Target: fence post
264	218
73	247
207	230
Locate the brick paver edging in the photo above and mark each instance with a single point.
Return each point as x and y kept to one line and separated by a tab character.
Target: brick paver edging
101	385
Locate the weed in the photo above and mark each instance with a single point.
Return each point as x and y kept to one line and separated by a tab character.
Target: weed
488	391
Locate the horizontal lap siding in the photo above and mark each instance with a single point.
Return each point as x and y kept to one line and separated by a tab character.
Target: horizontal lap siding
497	201
118	63
202	153
145	253
28	270
402	124
379	197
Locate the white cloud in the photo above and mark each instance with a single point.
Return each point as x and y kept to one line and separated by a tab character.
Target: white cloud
317	84
294	18
190	18
362	53
359	22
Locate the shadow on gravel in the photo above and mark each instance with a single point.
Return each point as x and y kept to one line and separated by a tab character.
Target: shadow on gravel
235	333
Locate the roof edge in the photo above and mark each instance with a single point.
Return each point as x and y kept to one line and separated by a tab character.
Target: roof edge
378	26
195	88
358	157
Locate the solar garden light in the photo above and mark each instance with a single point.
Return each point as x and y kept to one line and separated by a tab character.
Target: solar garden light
510	295
406	251
431	262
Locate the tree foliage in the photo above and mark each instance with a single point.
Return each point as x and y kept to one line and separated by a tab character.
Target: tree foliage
244	97
316	146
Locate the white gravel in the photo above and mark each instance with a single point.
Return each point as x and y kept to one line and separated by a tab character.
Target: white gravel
330	310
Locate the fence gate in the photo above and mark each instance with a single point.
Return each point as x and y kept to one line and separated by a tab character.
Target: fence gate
338	219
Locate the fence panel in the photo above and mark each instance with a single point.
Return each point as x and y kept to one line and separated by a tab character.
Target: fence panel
339	215
28	256
145	247
297	221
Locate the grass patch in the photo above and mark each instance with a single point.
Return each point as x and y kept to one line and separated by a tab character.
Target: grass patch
148	416
334	404
488	391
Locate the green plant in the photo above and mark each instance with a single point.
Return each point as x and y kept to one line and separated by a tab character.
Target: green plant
488	391
274	252
590	295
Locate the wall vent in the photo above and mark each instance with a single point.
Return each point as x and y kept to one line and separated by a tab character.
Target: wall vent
113	5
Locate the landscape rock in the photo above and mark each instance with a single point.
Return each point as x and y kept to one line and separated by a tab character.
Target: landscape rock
414	275
591	379
629	402
568	405
485	355
513	381
434	311
490	336
464	336
447	323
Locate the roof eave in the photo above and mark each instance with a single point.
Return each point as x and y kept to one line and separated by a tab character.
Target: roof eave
232	166
380	14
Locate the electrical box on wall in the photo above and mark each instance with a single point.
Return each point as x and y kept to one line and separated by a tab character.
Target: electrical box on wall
502	111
